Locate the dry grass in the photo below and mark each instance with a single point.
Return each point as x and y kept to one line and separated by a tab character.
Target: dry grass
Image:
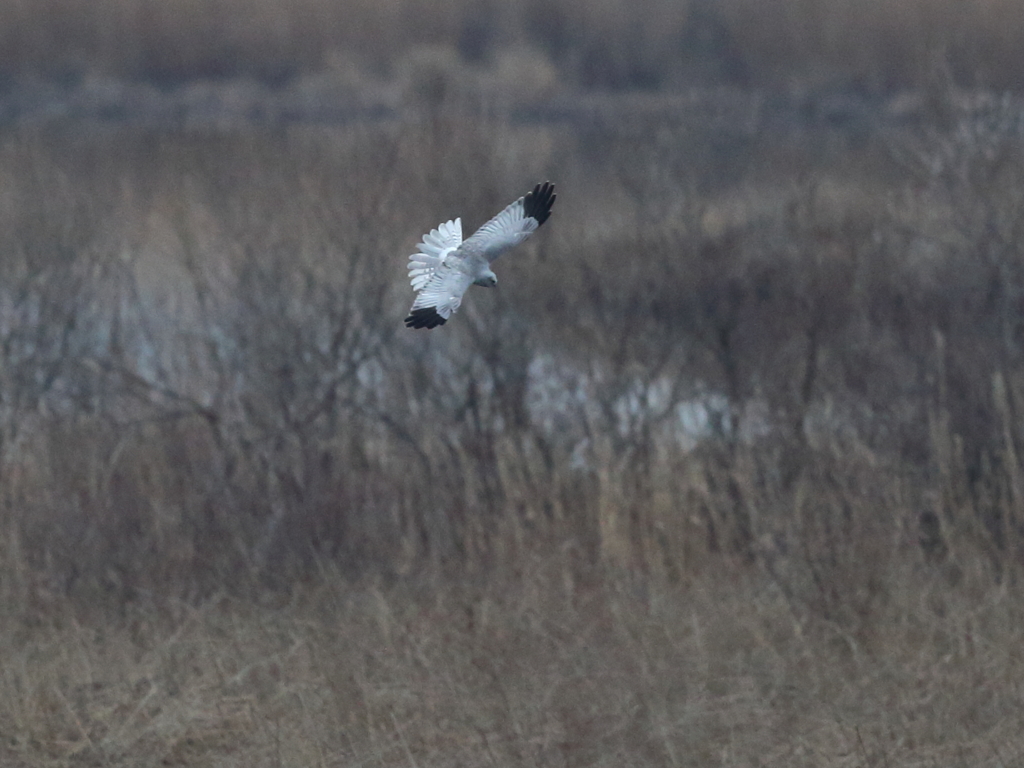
547	670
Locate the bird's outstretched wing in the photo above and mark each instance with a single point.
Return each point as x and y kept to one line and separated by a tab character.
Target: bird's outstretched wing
514	224
441	296
433	250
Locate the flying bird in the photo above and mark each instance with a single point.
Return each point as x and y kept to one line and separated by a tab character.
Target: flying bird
445	265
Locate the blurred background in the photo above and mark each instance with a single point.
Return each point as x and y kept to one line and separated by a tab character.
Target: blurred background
725	472
870	46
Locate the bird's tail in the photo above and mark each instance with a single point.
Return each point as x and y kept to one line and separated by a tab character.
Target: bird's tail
433	250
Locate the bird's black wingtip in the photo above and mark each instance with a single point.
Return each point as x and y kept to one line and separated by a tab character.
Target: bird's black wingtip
537	203
425	317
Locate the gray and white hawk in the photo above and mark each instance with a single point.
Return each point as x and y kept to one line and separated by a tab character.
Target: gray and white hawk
445	265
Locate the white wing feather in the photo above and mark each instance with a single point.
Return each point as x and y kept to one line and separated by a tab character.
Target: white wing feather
505	231
444	290
433	250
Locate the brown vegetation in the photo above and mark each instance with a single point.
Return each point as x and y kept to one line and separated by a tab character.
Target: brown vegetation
727	471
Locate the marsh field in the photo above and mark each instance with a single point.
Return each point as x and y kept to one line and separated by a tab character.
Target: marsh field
726	471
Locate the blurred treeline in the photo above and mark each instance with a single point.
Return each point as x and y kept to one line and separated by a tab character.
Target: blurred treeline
868	45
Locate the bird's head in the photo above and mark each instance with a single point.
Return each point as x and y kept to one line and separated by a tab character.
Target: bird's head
487	280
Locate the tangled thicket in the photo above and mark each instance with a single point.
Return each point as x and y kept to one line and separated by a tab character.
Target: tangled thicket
205	383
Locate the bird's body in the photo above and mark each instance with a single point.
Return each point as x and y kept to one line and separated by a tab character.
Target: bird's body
446	265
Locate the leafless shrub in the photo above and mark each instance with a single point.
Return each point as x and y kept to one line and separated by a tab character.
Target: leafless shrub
243	320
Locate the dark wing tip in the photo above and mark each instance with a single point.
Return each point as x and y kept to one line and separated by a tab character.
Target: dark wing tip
537	204
425	317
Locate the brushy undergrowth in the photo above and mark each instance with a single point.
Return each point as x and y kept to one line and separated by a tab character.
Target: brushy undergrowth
725	472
